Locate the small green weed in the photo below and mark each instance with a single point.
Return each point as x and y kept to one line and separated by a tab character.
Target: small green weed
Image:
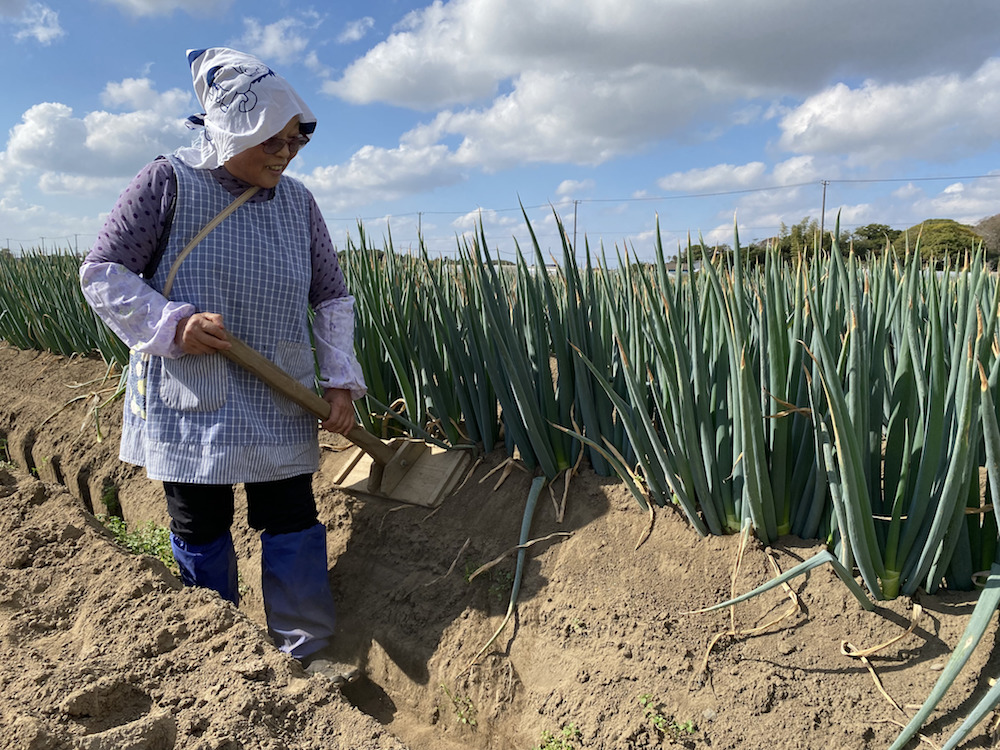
148	539
470	568
665	727
565	740
683	727
465	710
501	580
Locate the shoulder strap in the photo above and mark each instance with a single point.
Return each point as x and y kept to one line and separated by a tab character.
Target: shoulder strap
243	197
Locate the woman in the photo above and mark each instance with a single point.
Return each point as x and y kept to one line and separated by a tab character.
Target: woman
197	422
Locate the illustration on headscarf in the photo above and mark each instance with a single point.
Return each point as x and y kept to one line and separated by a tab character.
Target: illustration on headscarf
238	88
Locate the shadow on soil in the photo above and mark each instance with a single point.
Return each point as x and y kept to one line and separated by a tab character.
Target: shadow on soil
402	582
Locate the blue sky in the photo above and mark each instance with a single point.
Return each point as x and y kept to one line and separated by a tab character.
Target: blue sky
612	113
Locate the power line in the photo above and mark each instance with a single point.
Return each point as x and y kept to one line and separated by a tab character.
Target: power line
575	203
683	196
678	196
926	179
789	186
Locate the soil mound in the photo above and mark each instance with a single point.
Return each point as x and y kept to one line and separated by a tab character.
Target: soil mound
103	649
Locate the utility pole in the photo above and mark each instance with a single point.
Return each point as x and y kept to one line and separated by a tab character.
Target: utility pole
575	204
822	213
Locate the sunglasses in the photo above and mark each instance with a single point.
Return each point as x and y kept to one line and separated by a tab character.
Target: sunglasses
275	144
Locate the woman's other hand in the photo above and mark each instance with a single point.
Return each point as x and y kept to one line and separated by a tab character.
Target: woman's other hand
341	417
201	333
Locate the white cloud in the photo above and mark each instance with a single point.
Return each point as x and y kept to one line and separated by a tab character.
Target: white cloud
568	118
83	160
909	191
282	41
313	63
355	30
965	202
374	174
52	142
573	188
765	210
138	94
722	234
850	216
36	21
166	7
405	71
587	81
717	178
60	183
784	194
460	51
935	118
130	138
489	217
47	137
798	170
23	222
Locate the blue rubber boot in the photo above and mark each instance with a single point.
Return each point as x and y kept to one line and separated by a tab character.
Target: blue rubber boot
211	565
298	603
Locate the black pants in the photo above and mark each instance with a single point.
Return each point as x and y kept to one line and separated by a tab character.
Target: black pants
201	513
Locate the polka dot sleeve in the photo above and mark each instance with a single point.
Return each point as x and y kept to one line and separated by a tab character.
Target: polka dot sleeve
327	277
132	230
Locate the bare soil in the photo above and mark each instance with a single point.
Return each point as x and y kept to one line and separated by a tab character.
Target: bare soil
102	649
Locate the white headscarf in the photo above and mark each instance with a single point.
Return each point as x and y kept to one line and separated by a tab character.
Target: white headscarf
245	103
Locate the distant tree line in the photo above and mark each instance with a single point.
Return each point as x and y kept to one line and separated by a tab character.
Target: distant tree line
937	240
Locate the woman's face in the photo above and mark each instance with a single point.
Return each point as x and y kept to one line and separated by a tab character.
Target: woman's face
261	169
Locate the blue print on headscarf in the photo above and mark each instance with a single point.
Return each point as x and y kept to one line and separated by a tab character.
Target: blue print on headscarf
237	90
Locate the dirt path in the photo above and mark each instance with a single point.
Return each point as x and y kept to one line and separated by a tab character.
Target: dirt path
101	649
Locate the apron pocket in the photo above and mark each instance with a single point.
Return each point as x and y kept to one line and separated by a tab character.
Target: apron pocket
194	382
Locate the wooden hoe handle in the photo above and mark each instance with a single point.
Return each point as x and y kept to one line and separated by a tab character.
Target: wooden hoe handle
256	363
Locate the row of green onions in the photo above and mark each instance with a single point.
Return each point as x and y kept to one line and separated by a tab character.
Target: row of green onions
42	307
825	398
